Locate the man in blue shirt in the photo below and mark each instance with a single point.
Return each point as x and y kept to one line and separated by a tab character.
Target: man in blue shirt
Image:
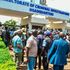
17	48
57	53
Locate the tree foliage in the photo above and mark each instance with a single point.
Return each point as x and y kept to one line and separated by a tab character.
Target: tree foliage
6	61
68	20
11	23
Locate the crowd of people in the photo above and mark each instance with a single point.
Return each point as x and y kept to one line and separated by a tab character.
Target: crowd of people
43	46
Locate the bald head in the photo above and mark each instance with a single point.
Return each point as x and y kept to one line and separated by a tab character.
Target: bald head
61	34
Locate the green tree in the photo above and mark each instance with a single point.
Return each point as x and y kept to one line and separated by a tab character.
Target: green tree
10	23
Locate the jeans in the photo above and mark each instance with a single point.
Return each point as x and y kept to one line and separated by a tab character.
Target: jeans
45	63
39	57
31	63
58	67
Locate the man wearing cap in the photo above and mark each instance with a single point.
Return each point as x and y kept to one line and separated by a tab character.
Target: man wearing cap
57	53
17	47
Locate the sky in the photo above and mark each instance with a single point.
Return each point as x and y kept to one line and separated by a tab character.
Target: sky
59	4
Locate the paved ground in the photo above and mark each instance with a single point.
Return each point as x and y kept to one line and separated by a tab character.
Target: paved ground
23	67
67	67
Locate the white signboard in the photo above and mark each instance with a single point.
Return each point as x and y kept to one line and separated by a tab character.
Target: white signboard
22	6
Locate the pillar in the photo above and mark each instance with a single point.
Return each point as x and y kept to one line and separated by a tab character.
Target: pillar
29	23
30	26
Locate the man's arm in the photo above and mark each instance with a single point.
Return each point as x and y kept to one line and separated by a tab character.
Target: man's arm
28	45
27	53
19	46
52	50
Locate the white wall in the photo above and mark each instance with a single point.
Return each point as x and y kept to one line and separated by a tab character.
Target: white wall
68	24
39	20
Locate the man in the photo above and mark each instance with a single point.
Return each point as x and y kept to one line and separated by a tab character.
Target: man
45	47
0	29
23	37
68	40
40	40
31	50
17	47
57	53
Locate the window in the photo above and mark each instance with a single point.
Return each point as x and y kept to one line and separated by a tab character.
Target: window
36	1
43	2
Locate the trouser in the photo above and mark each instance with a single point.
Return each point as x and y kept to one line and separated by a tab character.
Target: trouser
58	67
35	62
22	56
18	60
31	63
45	63
39	57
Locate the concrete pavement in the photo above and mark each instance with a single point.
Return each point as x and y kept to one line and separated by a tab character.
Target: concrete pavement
24	66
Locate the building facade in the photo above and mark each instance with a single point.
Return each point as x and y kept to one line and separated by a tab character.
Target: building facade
24	8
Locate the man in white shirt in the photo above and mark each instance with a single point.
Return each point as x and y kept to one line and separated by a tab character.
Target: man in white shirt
31	50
